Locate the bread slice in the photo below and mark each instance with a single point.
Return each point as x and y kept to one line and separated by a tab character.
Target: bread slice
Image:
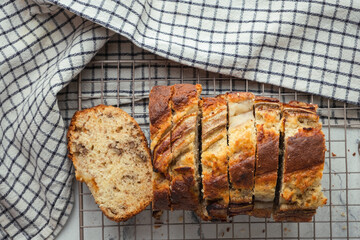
214	159
160	135
110	154
242	144
267	122
184	170
302	164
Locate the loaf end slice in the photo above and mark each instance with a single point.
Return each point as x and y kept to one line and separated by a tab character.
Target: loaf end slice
110	154
302	165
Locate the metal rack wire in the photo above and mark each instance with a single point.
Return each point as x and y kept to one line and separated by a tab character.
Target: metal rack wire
126	84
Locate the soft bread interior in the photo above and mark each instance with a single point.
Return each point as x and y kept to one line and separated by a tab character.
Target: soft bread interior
110	155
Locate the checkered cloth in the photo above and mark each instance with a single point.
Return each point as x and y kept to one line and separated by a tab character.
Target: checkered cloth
308	46
42	47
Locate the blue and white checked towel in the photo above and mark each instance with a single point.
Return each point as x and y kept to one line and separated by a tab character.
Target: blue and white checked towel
310	46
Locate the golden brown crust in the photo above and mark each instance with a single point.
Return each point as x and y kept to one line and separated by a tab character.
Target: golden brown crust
181	130
184	95
162	155
214	158
217	210
261	213
304	150
267	151
161	191
184	186
212	103
160	125
295	106
183	193
242	172
267	121
215	186
72	127
294	215
239	209
159	108
160	129
265	100
239	96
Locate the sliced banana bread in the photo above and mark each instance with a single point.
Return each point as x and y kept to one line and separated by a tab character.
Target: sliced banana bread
110	154
242	144
267	122
302	164
214	159
184	170
160	134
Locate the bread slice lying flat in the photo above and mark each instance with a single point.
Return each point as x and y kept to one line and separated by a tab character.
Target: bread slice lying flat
111	156
302	165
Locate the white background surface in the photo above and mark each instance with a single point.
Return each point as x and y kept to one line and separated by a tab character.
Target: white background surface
71	229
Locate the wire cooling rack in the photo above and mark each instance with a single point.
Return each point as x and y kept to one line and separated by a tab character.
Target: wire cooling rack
126	84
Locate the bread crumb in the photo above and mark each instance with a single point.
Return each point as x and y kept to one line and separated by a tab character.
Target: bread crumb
157	214
333	154
181	218
343	214
343	228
